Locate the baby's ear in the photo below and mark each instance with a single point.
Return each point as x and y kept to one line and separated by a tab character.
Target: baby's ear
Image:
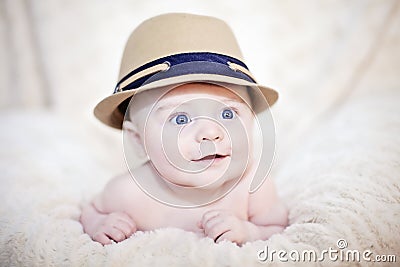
132	130
133	142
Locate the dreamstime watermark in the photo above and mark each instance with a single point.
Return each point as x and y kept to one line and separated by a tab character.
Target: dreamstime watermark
339	253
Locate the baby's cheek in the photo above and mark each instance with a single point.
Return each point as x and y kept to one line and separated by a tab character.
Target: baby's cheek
184	148
155	153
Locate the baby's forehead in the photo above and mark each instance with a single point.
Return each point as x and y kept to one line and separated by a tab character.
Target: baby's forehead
186	93
192	91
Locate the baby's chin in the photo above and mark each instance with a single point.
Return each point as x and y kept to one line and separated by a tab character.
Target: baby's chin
203	184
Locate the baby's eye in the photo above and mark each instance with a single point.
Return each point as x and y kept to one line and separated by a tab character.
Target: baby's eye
181	119
228	114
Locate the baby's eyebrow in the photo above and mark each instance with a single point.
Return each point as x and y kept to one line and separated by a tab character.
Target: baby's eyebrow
168	106
174	105
236	101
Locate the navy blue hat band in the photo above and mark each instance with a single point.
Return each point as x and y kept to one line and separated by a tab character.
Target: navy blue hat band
211	63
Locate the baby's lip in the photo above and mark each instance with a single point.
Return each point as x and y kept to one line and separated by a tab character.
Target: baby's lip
212	157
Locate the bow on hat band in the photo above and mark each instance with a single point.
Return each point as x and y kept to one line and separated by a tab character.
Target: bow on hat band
211	63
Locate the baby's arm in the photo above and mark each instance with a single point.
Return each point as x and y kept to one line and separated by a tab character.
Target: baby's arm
105	218
267	215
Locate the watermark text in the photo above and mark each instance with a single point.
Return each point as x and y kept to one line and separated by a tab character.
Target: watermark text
339	253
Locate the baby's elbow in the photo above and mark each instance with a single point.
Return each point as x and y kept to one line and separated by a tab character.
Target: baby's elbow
282	215
280	219
278	216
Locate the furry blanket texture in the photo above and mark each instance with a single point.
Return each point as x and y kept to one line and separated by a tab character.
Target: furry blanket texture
342	182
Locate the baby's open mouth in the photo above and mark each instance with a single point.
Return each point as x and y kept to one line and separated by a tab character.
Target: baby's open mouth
211	157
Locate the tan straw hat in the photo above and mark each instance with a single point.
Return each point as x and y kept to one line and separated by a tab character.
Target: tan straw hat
172	49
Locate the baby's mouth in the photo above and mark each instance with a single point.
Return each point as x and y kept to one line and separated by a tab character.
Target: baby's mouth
211	157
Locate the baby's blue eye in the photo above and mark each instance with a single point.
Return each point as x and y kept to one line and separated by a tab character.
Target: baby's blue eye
227	114
181	119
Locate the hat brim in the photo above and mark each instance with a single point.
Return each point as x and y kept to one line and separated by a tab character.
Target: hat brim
107	109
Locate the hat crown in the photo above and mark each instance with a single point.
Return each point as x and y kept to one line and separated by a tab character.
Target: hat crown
176	33
173	49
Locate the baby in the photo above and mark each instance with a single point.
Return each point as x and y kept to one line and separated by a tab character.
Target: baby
193	118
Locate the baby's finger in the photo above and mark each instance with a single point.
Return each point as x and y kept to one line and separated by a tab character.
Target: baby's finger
227	235
211	224
115	234
217	230
209	215
233	236
101	238
125	217
125	228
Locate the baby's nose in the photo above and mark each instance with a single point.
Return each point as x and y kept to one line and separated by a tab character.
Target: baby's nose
209	131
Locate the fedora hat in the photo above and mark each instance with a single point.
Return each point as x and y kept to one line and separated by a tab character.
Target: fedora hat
173	49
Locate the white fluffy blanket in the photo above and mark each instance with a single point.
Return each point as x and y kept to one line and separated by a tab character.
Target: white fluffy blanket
343	182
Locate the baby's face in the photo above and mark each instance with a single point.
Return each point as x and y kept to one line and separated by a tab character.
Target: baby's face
197	134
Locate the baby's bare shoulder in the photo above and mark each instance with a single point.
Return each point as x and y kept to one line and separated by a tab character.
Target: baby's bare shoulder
118	194
121	184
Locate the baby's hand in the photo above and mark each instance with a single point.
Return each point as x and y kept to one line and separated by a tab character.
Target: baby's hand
115	226
223	225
